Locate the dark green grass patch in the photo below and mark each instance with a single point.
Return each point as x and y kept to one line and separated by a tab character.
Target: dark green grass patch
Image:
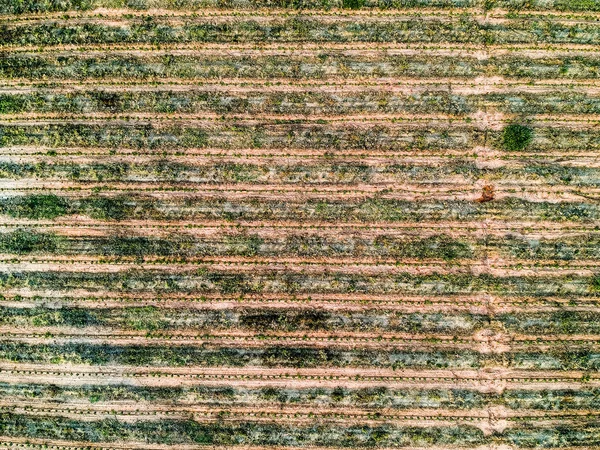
516	137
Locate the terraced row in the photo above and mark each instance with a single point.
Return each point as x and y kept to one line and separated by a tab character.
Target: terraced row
36	6
319	64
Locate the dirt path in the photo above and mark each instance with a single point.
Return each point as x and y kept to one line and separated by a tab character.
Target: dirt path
485	380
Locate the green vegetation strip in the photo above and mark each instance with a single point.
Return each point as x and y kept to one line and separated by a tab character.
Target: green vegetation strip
276	281
319	173
371	397
269	433
26	241
292	357
301	29
304	102
325	65
335	137
155	319
249	433
41	6
121	207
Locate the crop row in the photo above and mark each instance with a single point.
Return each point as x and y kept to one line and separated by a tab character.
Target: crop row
288	357
315	173
289	134
122	207
323	65
24	241
229	434
153	319
568	229
461	302
37	6
371	397
269	29
438	246
323	434
296	356
335	137
305	102
275	281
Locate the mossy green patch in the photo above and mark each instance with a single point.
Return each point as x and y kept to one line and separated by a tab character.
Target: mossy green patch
516	137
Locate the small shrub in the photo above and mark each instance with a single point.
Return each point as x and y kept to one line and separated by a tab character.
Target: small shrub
516	137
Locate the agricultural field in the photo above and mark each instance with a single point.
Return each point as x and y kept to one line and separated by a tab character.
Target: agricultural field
290	224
